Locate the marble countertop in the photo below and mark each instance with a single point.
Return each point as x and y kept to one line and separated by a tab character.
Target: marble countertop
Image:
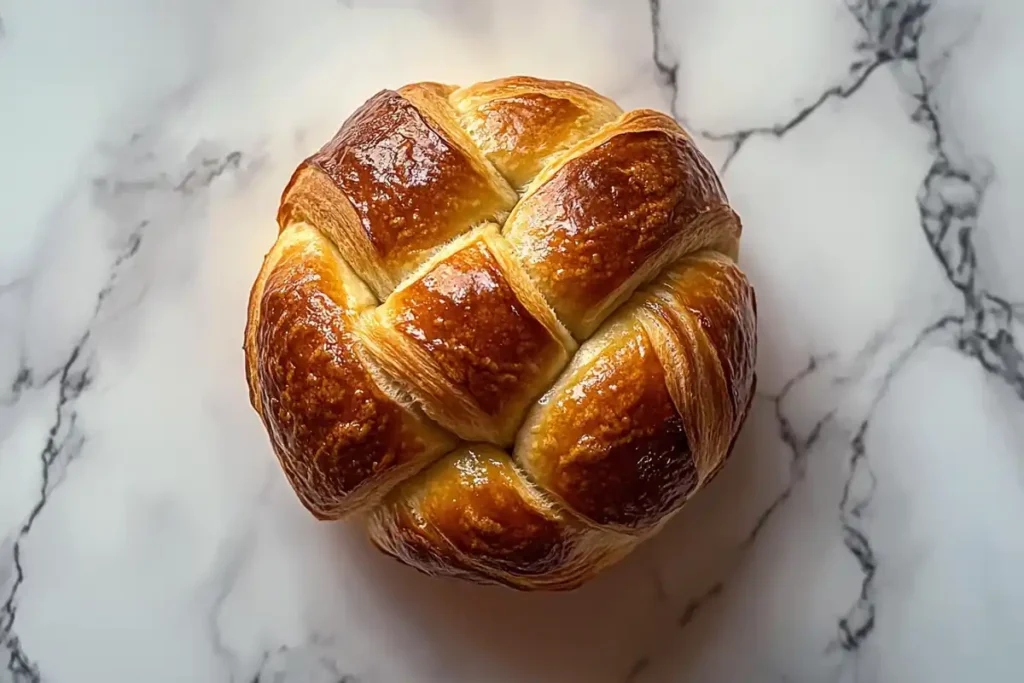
868	527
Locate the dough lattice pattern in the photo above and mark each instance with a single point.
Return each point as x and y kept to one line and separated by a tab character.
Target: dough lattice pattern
506	321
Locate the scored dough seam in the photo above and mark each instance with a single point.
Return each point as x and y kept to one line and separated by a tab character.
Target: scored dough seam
652	271
654	267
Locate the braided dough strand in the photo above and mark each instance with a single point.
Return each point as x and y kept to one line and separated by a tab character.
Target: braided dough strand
505	320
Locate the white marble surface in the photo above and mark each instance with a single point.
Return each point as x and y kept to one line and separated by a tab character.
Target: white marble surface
869	526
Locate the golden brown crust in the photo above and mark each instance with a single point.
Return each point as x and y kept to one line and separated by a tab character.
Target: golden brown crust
612	210
521	122
472	323
650	408
392	185
466	316
510	86
607	440
467	339
701	314
473	515
341	440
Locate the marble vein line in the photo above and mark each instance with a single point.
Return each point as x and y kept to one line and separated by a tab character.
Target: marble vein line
949	202
952	192
63	444
949	205
12	285
668	71
891	37
63	441
689	613
233	556
799	446
313	661
693	606
22	380
854	627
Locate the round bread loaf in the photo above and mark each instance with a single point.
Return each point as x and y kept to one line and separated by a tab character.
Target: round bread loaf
506	321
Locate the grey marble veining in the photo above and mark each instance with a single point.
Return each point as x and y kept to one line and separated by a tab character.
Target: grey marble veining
867	528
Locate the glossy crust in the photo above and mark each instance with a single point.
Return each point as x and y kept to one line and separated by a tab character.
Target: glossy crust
702	317
340	438
473	515
628	432
608	440
395	183
521	122
471	338
397	319
612	211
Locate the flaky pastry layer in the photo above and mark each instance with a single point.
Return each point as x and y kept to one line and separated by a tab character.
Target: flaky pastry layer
507	322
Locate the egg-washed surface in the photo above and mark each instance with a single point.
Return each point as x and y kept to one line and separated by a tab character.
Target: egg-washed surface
336	430
408	183
631	198
608	441
475	510
573	454
470	331
519	123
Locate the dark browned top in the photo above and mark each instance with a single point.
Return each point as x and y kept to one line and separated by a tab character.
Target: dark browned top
411	187
329	422
612	444
466	316
604	213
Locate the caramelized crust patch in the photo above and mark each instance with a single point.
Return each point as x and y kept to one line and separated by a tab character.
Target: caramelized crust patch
595	222
330	424
411	188
466	316
610	442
